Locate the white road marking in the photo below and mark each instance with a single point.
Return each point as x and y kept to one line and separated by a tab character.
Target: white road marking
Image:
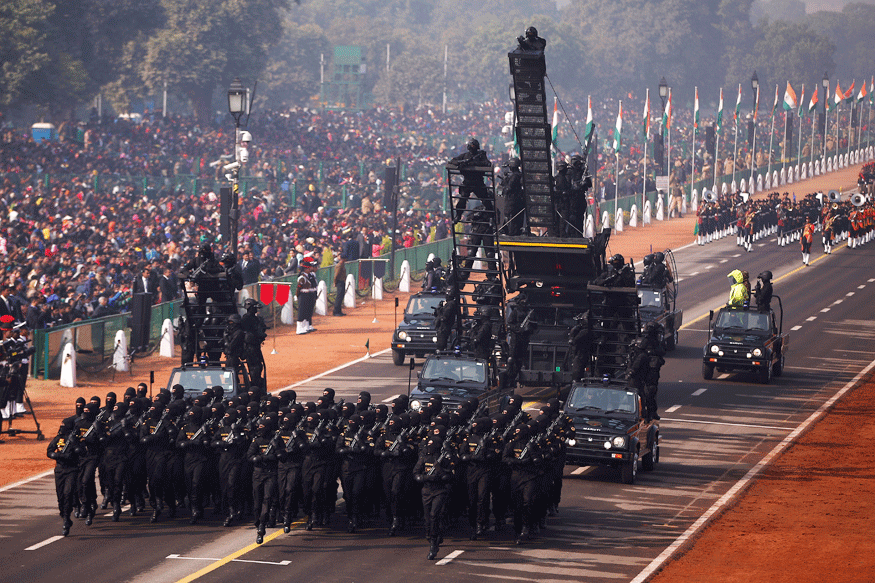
694	274
861	286
737	255
837	302
449	557
824	310
390	399
849	294
761	244
871	280
709	267
796	327
27	480
580	470
279	563
672	409
48	541
726	423
699	392
724	260
811	318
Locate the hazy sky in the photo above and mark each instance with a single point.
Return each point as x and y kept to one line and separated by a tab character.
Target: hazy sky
836	5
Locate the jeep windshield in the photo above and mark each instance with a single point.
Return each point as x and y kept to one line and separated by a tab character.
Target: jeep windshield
741	320
195	379
454	370
601	400
650	298
419	306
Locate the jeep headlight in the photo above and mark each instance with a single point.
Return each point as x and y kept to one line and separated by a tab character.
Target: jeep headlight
715	349
757	352
416	405
434	339
403	335
571	442
619	442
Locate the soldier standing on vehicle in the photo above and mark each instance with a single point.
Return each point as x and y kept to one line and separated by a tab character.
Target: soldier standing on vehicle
763	291
580	346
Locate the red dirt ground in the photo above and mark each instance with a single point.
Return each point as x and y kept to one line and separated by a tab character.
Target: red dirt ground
806	518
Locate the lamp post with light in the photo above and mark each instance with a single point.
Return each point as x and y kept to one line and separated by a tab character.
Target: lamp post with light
663	93
238	104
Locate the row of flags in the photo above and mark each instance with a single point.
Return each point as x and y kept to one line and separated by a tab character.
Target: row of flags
790	103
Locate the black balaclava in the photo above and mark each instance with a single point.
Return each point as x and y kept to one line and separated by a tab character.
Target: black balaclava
111	400
364	401
80	406
433	445
195	415
178	391
382	412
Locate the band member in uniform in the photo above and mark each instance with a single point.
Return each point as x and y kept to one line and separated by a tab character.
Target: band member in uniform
306	293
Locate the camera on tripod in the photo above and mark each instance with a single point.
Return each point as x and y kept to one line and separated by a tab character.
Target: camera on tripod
14	350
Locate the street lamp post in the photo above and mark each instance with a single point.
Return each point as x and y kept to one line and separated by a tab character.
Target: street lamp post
825	83
237	106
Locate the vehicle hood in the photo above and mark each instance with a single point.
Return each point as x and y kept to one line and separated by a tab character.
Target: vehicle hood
594	424
742	338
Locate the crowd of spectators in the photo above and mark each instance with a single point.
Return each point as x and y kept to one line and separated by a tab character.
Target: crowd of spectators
70	251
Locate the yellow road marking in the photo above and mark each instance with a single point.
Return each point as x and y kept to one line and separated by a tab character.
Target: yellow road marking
236	554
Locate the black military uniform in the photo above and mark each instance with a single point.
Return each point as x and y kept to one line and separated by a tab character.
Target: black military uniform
263	455
255	333
763	291
472	180
580	346
434	470
316	468
291	462
356	449
230	442
480	451
88	430
117	441
399	456
511	190
158	434
562	199
194	439
63	450
520	454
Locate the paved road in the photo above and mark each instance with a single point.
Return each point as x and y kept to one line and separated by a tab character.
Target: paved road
713	433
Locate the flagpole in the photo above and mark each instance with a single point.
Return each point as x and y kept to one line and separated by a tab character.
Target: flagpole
799	150
735	147
838	123
669	150
753	155
646	136
772	137
693	147
813	124
617	166
825	126
716	160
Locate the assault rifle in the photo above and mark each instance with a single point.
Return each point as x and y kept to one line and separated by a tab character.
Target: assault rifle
317	433
399	440
509	429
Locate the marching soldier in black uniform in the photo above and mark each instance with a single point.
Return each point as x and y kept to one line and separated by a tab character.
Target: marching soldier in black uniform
158	434
63	450
88	429
520	454
291	462
263	455
117	440
355	447
230	442
480	451
434	470
194	439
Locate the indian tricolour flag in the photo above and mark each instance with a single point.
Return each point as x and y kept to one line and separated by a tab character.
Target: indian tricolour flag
775	104
696	109
789	98
838	96
720	112
647	115
813	103
737	105
666	115
862	94
555	119
849	94
618	129
590	126
801	101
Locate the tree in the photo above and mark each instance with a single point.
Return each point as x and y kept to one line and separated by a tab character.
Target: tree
204	46
23	27
790	52
292	73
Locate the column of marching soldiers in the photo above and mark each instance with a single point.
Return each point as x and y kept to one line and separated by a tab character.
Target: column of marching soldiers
266	458
788	219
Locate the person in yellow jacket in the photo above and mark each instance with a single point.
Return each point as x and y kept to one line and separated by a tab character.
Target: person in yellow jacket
739	296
